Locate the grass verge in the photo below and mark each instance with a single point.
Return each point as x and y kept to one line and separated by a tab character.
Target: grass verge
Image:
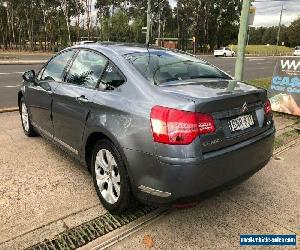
285	138
267	50
261	82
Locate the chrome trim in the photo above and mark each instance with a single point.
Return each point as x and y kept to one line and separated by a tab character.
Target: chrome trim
55	139
43	130
154	191
65	145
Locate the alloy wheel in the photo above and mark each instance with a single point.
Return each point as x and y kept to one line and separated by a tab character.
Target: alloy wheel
25	118
107	176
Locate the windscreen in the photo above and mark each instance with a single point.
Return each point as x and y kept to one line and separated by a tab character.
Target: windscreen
161	67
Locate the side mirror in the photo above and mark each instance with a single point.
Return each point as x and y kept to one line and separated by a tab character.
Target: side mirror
29	76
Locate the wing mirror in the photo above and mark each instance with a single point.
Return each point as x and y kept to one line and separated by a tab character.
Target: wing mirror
29	76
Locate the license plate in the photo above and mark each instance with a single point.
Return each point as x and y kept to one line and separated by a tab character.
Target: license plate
241	123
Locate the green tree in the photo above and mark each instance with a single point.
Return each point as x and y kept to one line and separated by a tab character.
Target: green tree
293	33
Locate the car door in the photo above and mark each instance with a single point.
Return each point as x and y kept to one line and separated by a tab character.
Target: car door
227	51
72	100
40	93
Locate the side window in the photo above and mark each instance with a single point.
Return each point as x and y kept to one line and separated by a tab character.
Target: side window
86	69
112	78
56	66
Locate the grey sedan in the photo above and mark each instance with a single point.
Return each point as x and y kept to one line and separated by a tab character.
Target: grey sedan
155	125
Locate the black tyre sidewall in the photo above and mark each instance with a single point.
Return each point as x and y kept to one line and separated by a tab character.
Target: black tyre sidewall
125	197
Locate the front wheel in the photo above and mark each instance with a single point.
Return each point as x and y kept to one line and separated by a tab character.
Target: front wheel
25	119
110	177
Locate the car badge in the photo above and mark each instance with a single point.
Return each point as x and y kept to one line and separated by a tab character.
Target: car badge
244	107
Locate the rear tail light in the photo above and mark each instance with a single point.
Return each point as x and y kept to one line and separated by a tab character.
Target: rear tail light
177	127
267	107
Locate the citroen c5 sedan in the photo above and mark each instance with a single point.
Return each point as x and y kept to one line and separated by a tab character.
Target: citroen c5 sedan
155	125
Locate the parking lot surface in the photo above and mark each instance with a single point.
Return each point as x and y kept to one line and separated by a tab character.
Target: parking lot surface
41	187
43	192
267	203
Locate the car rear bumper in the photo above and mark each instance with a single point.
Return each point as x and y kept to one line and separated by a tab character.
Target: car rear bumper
175	180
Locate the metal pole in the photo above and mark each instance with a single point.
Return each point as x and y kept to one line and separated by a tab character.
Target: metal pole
148	22
279	28
242	39
159	28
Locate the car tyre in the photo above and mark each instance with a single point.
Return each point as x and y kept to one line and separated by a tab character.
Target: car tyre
25	119
110	177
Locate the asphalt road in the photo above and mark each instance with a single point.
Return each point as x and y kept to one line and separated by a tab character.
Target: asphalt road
255	67
10	75
10	80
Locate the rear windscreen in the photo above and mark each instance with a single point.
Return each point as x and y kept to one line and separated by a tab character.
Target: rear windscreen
160	66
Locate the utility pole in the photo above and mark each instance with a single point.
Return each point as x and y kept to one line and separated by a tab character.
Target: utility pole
279	28
242	40
148	22
159	26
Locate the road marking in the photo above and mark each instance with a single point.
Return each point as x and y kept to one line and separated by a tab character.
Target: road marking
11	86
11	73
257	59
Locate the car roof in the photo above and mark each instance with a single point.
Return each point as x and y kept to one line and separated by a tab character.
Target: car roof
119	48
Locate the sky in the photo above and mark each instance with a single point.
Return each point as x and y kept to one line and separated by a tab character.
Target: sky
268	12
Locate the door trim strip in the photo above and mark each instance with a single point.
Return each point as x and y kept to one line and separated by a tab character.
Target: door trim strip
55	139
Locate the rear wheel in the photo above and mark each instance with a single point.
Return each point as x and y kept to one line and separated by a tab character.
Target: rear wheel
25	119
110	177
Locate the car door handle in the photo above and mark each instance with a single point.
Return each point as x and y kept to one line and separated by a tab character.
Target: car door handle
82	99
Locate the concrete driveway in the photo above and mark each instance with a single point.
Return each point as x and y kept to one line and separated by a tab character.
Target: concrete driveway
43	192
40	188
267	203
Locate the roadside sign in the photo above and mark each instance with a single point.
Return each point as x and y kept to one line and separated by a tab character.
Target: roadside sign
194	45
252	15
144	30
285	87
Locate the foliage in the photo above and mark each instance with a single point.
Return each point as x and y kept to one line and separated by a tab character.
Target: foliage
52	24
213	23
293	33
290	36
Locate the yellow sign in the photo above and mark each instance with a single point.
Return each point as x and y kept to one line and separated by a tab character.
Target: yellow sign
252	10
251	15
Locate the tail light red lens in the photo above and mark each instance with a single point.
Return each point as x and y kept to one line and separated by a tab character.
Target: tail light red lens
177	127
267	107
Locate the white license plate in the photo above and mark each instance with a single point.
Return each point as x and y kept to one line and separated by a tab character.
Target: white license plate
241	123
